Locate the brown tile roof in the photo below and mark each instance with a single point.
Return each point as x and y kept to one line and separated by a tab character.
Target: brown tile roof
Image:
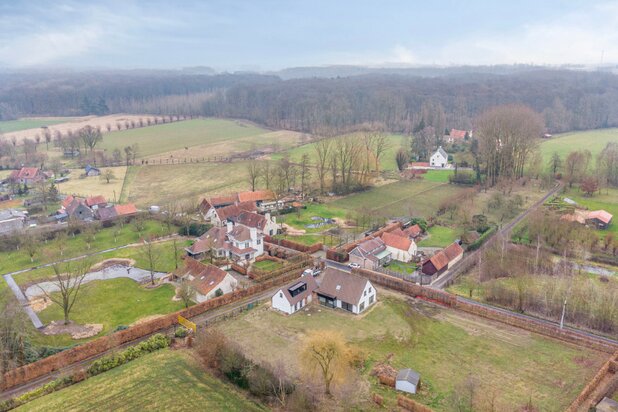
342	285
457	134
445	256
67	201
251	219
95	200
205	205
75	203
258	195
223	200
216	235
201	245
413	231
397	242
107	213
439	260
453	250
398	232
241	233
230	212
25	173
126	210
206	277
311	286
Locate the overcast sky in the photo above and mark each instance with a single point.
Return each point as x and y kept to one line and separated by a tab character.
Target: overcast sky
267	35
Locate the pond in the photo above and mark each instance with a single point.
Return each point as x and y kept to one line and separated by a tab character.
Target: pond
319	222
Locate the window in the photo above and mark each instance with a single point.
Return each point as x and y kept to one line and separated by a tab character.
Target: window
247	256
365	293
371	299
361	307
347	306
259	242
280	294
246	245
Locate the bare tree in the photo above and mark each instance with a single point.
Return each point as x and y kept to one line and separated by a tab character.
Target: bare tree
151	256
323	149
68	279
90	136
253	173
305	173
326	352
108	175
13	333
186	292
267	173
30	244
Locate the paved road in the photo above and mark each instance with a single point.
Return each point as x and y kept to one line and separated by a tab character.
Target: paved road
444	280
23	301
201	320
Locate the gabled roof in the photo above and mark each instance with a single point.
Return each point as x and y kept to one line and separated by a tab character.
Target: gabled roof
413	231
398	232
107	213
251	219
442	152
74	205
25	173
344	286
241	233
67	201
219	201
397	242
457	134
293	300
453	250
601	215
230	212
95	200
257	196
409	375
126	209
441	259
369	248
215	236
205	277
9	214
89	168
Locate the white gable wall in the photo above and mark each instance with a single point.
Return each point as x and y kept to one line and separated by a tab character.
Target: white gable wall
437	160
227	285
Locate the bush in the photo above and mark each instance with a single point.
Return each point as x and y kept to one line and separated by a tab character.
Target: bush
477	243
181	332
422	223
119	328
462	178
194	229
154	343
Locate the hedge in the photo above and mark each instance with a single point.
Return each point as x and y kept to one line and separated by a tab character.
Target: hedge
478	242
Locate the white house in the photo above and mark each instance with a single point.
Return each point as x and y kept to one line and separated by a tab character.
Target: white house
401	248
408	381
236	242
265	224
207	280
346	291
295	296
439	158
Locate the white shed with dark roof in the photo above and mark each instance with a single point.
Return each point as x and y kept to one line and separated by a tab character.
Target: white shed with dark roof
408	381
294	296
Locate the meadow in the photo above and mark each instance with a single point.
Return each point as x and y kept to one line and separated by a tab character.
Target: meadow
7	126
444	346
165	380
195	138
563	144
95	185
605	199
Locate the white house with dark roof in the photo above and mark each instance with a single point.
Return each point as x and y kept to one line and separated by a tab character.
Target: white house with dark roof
371	254
439	158
346	291
294	296
235	242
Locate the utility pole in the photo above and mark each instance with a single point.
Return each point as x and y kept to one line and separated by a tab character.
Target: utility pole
563	313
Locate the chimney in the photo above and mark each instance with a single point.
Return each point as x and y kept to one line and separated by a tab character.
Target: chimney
230	226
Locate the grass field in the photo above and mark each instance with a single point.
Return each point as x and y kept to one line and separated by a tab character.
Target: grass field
165	380
439	236
402	267
563	144
387	161
268	265
405	198
111	303
606	199
77	246
301	219
203	137
437	176
157	185
8	126
444	346
92	186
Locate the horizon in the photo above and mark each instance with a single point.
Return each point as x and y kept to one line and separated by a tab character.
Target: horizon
272	36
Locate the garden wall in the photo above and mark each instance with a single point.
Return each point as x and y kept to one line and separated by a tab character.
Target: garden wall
603	383
411	405
98	346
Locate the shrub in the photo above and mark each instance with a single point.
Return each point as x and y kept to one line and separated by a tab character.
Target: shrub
154	343
181	332
218	292
120	327
477	243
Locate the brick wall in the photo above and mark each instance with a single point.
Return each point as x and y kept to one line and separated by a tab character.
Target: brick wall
604	382
411	405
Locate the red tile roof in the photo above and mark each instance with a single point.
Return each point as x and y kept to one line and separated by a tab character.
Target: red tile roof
251	219
397	242
413	231
232	211
601	215
256	196
453	251
25	173
206	277
441	259
223	200
67	201
457	134
95	200
125	210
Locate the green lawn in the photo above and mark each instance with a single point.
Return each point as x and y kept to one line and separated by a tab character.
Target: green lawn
7	126
387	161
438	176
268	265
168	137
77	246
299	220
165	380
606	199
404	198
311	239
111	303
444	346
402	267
165	263
563	144
439	236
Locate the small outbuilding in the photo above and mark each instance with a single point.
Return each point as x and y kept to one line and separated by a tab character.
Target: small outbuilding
92	171
408	381
607	405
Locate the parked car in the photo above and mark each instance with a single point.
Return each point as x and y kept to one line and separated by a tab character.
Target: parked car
354	265
312	272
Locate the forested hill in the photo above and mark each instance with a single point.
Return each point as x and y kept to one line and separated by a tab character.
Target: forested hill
568	100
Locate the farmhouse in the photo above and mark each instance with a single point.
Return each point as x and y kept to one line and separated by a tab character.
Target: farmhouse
346	291
207	280
599	219
77	209
11	221
408	381
96	202
91	171
295	296
27	176
265	224
413	231
457	136
402	248
220	216
439	158
370	254
236	242
443	260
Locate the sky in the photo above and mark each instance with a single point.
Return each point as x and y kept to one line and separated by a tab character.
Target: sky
268	35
